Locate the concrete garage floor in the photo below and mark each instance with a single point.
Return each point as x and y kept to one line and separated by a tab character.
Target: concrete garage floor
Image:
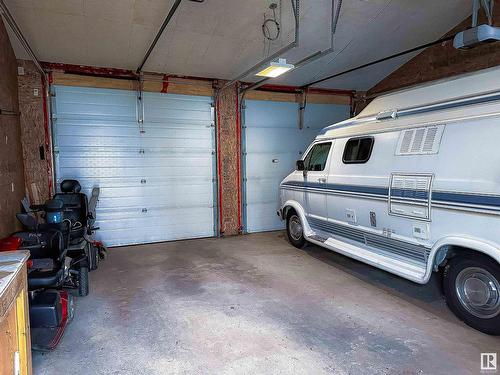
254	304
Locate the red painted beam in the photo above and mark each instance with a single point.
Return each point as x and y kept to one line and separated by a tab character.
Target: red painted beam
164	88
219	169
295	89
48	146
108	72
90	70
238	157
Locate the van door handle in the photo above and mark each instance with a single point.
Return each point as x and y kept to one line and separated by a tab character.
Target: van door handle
322	180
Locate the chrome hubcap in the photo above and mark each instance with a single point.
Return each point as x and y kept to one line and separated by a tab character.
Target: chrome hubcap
295	228
479	292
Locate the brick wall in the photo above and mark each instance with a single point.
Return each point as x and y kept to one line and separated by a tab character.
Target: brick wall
11	159
443	60
33	132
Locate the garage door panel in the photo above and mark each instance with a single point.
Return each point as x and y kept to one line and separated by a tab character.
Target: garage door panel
127	237
67	172
175	114
271	140
161	107
111	183
260	113
273	143
139	220
184	143
200	133
79	102
145	198
74	160
198	160
261	221
99	153
271	164
264	190
98	143
155	225
156	179
95	129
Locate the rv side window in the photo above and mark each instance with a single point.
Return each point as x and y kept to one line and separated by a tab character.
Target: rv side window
317	156
358	150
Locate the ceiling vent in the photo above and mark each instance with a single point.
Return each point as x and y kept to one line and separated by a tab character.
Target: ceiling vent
475	36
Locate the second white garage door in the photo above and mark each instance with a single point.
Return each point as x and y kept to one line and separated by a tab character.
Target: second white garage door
273	142
156	178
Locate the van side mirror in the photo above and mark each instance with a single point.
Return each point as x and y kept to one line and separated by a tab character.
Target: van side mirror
300	165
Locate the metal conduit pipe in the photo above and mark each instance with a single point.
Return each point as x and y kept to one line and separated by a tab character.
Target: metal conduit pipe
315	56
158	34
15	29
414	49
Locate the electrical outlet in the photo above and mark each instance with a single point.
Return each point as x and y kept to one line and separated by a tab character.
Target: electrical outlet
35	92
20	71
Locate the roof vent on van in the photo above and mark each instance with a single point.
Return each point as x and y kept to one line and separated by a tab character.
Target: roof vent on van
420	141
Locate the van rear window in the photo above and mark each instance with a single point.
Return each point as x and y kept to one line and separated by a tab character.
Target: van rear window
358	150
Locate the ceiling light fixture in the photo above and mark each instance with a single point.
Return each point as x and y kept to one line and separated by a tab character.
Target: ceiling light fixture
275	69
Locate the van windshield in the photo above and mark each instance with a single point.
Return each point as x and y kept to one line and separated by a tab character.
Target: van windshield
317	156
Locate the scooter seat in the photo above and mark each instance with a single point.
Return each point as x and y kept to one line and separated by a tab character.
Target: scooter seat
44	279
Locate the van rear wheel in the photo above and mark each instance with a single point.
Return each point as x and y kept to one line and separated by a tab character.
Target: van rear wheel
472	289
295	231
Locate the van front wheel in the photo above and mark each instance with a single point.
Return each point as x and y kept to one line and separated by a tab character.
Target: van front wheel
472	289
295	231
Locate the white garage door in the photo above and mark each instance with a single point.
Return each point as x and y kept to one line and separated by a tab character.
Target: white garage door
272	144
156	179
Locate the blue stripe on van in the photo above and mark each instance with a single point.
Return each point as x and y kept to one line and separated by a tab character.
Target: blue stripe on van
463	198
437	196
340	187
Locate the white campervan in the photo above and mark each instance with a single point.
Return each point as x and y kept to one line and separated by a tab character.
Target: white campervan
412	185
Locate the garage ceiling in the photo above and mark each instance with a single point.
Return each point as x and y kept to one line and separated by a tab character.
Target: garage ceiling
221	39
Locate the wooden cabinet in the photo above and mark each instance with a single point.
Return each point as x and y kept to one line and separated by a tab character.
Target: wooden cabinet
15	345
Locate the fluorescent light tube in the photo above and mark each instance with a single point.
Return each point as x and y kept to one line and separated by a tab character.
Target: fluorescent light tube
275	69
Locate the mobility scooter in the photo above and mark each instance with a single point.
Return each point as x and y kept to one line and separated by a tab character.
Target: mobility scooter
81	215
50	307
61	253
78	216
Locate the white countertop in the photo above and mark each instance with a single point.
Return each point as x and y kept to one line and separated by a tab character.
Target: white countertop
10	263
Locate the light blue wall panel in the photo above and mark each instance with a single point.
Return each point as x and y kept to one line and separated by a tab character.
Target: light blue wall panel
273	142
